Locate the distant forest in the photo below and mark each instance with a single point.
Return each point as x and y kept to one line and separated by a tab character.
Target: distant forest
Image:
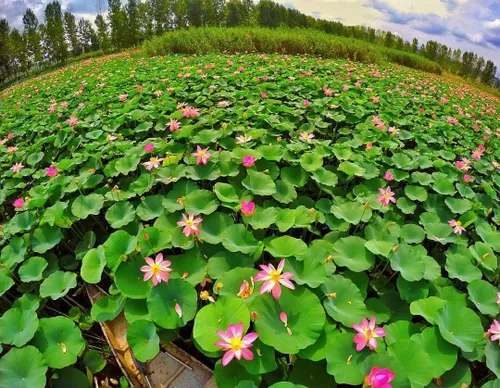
39	46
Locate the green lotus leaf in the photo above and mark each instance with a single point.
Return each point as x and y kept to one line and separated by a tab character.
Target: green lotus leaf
286	246
351	169
311	271
484	296
285	192
152	240
136	310
163	299
93	264
492	353
351	253
484	255
444	186
235	375
459	326
143	339
237	239
13	253
306	318
226	192
325	177
18	326
190	266
343	301
318	350
229	283
412	234
412	291
201	202
116	248
343	361
259	183
60	341
120	214
223	261
307	373
94	361
416	193
458	206
21	222
311	161
409	260
295	176
414	360
129	279
45	238
22	368
127	164
218	316
263	218
32	269
108	307
264	359
84	206
442	354
352	212
427	308
150	207
57	285
6	281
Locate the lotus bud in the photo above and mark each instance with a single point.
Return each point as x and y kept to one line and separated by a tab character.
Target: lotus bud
178	310
254	315
284	318
395	249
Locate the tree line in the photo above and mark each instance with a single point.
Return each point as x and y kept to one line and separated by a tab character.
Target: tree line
62	36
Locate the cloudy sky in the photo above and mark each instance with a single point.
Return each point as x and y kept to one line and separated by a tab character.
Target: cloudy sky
472	25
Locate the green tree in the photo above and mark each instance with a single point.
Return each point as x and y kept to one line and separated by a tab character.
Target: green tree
132	30
146	23
488	73
57	47
71	33
194	12
179	13
32	37
478	68
414	45
389	39
5	50
117	21
18	50
87	38
102	33
160	15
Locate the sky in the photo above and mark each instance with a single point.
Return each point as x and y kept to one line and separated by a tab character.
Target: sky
471	25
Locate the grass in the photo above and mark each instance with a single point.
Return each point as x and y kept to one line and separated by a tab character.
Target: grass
284	41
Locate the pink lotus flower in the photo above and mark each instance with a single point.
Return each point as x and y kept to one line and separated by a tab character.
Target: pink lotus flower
284	319
273	279
158	93
52	108
191	224
306	136
12	150
452	120
202	155
157	269
369	145
327	92
367	334
248	161
10	135
234	344
72	121
481	147
375	100
345	88
139	88
248	208
388	176
498	296
477	154
307	103
243	139
178	310
246	289
123	97
173	125
189	111
494	331
379	378
18	203
149	147
17	167
463	164
376	120
64	104
51	171
386	197
263	95
153	163
467	178
457	226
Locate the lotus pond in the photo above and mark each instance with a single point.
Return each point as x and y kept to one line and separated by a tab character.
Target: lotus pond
289	221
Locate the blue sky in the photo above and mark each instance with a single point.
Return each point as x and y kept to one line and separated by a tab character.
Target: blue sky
472	25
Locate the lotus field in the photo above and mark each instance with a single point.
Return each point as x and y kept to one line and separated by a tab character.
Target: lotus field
290	221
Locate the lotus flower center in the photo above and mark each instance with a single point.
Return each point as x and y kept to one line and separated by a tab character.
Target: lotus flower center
275	276
201	154
459	223
153	160
387	195
368	333
156	269
189	222
236	343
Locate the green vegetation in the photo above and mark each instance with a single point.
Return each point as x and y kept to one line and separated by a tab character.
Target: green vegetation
287	199
41	46
281	40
